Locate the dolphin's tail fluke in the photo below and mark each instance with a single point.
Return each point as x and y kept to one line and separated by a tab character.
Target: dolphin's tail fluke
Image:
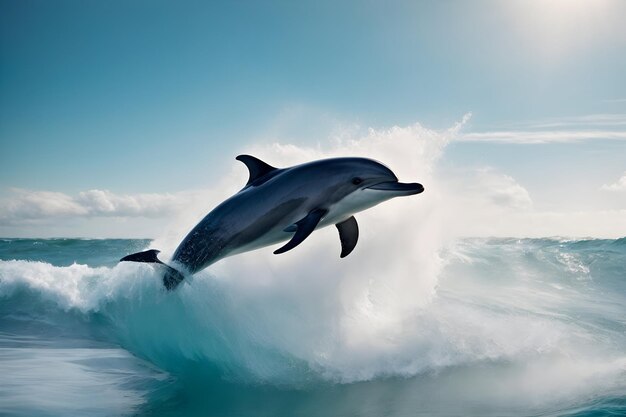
172	277
149	256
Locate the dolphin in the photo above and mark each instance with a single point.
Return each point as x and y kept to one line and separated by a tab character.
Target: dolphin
283	204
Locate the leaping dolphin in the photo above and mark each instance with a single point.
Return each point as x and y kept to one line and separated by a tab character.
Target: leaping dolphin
279	204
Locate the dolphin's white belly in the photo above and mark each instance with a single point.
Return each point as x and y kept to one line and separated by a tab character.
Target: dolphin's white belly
353	203
337	213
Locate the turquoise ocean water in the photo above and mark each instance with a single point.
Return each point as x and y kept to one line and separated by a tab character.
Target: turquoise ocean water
513	327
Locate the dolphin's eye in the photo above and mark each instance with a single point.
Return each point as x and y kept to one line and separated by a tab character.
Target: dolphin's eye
357	180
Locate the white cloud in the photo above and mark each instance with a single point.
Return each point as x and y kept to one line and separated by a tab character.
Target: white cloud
28	205
106	203
501	190
620	185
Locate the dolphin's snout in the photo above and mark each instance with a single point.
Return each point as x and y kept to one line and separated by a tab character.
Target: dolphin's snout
399	188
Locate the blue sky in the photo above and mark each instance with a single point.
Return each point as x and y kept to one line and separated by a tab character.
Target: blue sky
158	97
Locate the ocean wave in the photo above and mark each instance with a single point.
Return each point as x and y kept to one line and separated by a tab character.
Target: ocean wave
551	309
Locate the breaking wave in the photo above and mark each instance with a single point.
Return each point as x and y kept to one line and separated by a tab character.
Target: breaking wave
553	308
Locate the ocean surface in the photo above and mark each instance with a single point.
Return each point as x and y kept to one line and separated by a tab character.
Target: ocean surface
509	327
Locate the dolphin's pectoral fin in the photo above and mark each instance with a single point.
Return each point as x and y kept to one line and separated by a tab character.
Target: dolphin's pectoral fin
304	228
348	235
172	277
256	167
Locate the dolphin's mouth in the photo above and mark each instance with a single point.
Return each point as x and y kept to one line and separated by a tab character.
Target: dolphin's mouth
398	188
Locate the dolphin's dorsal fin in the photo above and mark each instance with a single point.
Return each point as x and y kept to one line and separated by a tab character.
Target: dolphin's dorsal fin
348	235
256	167
304	228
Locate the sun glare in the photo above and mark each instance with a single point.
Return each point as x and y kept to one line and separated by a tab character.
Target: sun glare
555	29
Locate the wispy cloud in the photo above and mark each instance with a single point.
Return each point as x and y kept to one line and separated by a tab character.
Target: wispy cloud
610	126
542	136
606	120
619	185
602	121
